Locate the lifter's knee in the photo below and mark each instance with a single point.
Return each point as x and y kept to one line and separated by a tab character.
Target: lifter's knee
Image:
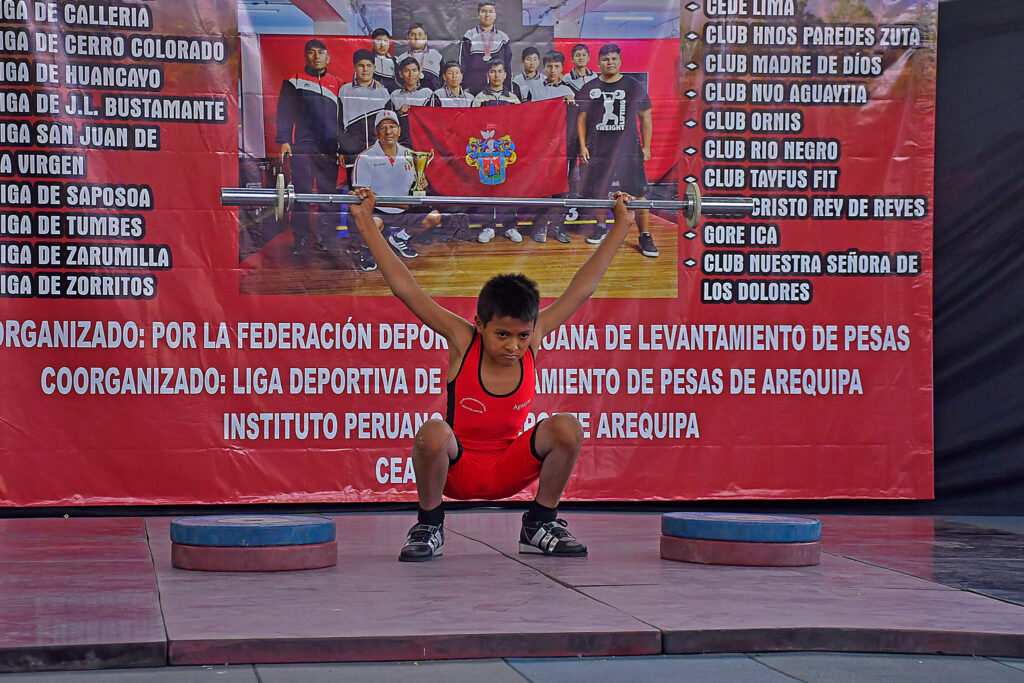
565	432
432	441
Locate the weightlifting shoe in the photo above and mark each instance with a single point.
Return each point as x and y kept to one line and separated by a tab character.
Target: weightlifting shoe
424	542
485	236
549	538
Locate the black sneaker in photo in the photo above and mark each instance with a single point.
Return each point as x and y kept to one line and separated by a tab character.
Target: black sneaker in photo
597	233
424	542
366	260
402	246
558	232
647	247
549	538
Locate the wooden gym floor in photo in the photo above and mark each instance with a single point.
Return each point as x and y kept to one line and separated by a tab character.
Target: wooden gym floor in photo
457	268
97	593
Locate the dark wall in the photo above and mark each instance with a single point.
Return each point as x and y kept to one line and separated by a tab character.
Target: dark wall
979	258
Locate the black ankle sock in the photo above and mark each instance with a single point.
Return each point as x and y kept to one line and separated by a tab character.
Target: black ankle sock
433	517
540	513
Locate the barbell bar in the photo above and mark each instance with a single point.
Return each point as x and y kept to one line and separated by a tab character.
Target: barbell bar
284	198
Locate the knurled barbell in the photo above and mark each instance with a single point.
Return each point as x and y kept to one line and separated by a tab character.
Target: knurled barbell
284	197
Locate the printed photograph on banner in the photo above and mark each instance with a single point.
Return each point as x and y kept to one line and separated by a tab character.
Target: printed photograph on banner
478	103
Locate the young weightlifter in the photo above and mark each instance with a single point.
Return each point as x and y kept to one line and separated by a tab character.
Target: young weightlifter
480	450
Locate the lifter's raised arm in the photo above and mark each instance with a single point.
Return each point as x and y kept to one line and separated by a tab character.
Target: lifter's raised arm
584	283
399	279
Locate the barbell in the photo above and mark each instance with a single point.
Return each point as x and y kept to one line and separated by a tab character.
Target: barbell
284	197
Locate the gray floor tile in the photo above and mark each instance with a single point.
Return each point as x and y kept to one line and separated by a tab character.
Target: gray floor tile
836	668
691	668
490	670
1014	525
1015	663
242	673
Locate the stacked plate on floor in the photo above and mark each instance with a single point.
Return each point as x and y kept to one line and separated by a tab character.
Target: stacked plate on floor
740	539
253	543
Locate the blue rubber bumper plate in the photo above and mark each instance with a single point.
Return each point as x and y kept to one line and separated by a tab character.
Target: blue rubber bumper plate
239	531
719	526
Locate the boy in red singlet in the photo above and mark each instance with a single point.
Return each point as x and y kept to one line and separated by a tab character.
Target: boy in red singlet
478	450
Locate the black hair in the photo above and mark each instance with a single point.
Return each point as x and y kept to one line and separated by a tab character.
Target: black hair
495	62
449	64
554	56
413	27
512	294
579	46
530	51
360	55
406	62
380	32
607	49
316	42
483	3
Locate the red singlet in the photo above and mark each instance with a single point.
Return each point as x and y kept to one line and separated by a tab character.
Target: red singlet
495	460
483	421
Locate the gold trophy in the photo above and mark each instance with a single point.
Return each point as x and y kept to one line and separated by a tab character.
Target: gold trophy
419	161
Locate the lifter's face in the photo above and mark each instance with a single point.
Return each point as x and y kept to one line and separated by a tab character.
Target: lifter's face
505	339
580	58
381	45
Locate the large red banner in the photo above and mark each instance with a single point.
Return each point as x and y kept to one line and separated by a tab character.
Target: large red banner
158	348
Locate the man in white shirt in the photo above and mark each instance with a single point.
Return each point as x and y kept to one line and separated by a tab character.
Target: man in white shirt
386	168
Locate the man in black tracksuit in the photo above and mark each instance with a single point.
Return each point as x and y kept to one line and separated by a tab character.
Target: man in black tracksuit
307	129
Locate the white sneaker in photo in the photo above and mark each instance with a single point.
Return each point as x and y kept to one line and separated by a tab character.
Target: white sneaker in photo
485	236
513	235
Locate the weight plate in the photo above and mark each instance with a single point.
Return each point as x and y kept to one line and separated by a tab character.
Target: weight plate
252	530
276	558
740	554
723	526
